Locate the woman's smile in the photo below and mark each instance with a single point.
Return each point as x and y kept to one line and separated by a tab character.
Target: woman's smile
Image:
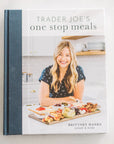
62	62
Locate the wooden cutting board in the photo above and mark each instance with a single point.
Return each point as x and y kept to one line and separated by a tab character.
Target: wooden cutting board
33	116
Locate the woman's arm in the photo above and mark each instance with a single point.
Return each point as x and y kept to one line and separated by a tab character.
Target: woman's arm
45	100
79	90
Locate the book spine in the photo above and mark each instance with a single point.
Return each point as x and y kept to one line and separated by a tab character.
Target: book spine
6	35
12	72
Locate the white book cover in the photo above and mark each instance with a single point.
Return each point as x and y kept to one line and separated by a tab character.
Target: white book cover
63	72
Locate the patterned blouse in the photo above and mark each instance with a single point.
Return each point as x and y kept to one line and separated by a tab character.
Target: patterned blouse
62	92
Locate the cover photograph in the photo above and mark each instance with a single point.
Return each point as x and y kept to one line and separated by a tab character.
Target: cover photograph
54	72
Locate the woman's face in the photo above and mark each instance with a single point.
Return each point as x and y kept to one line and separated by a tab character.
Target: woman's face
64	58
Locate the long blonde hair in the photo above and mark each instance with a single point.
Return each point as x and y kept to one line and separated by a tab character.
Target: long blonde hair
71	75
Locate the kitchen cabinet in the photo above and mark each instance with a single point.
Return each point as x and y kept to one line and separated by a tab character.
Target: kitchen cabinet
30	93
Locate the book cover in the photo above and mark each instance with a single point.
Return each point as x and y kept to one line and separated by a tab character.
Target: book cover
55	77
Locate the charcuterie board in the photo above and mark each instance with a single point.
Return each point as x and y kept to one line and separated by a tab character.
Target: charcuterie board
33	116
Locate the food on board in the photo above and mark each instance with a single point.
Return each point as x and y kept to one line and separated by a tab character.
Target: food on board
61	111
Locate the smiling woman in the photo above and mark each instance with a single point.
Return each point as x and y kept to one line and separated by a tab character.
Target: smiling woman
63	81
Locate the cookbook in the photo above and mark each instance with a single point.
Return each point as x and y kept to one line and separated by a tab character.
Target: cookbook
54	72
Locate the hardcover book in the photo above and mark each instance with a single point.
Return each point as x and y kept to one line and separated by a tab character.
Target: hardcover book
54	72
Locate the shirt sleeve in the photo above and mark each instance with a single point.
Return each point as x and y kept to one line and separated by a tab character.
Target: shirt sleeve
81	75
45	76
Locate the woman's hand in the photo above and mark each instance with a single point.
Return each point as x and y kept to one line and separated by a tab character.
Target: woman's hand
72	98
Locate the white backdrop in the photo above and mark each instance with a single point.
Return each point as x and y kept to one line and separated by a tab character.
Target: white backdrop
109	22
